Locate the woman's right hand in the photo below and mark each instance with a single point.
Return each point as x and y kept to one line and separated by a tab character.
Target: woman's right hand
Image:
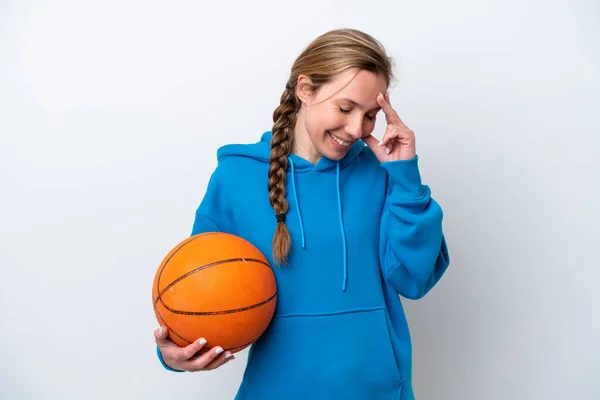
184	359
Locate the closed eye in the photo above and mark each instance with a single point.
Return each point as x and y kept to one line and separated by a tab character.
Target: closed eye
343	111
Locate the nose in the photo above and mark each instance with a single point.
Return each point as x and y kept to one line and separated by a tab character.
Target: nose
354	127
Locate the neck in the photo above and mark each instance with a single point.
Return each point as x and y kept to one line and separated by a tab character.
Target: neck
302	146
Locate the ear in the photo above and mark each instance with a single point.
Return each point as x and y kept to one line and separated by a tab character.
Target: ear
304	88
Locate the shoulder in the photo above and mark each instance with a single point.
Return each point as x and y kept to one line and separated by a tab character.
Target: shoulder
258	151
237	163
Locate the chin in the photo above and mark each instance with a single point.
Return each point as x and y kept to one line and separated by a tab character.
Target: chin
335	156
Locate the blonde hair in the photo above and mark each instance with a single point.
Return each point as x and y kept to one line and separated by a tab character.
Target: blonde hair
328	55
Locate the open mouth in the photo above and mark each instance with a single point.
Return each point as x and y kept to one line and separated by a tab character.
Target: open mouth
339	141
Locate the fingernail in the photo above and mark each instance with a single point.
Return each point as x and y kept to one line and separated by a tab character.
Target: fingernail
382	96
228	355
162	330
387	150
202	342
381	143
219	350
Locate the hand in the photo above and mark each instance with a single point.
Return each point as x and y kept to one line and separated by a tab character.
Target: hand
398	141
184	358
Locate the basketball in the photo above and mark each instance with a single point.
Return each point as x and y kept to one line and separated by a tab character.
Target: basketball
217	286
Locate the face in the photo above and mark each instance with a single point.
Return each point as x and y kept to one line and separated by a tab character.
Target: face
337	115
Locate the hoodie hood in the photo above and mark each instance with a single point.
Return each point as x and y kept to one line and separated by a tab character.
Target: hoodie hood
261	151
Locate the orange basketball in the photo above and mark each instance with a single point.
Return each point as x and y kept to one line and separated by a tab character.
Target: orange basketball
217	286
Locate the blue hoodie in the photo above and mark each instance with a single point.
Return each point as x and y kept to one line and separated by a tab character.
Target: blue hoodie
362	233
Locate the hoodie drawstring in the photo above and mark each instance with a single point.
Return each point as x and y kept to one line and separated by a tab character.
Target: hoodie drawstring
339	201
297	204
339	198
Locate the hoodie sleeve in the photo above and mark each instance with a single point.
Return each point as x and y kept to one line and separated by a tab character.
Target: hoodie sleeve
413	248
212	215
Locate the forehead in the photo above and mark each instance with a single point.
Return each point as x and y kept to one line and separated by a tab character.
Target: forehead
361	86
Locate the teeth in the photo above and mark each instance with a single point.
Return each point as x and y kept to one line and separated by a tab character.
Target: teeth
339	141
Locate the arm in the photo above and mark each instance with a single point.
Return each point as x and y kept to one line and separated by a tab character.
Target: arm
413	250
212	215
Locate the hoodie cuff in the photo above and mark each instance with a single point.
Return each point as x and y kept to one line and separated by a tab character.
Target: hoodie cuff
404	177
160	358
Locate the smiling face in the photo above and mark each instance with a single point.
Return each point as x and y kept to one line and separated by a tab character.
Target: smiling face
337	115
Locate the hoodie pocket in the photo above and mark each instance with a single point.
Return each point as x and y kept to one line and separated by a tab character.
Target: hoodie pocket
345	355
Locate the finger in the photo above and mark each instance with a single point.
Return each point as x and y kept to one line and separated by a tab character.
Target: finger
373	143
370	141
387	141
219	361
199	363
190	350
391	116
387	99
161	336
378	147
387	144
385	106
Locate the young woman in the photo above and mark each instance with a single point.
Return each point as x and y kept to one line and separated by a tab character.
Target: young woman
346	223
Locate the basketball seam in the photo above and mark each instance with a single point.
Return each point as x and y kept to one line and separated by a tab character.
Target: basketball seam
164	264
159	295
230	260
226	349
221	312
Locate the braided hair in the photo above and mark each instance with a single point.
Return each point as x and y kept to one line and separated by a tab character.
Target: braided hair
284	117
328	55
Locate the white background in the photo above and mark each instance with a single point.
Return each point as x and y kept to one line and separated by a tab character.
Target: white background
110	116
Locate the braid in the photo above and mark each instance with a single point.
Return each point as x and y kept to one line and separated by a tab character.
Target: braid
324	58
284	118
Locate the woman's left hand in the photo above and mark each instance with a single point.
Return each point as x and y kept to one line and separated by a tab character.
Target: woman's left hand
398	138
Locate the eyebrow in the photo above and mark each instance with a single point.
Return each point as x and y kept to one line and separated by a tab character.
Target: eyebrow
356	104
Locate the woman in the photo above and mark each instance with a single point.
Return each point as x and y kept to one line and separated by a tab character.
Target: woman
346	223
